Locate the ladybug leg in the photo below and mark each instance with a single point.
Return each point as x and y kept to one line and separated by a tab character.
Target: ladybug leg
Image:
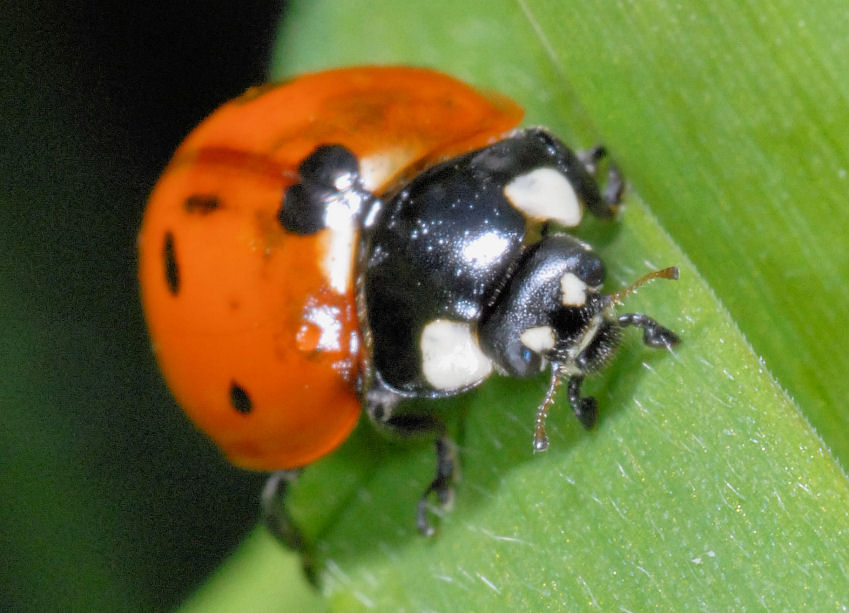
654	335
279	522
442	484
591	157
615	186
380	406
585	408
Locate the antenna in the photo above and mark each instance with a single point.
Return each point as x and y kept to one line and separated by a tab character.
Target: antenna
666	273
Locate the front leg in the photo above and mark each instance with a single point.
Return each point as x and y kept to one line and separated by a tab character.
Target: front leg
585	407
654	335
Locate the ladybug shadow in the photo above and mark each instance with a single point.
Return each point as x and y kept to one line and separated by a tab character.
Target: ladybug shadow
360	503
499	442
600	233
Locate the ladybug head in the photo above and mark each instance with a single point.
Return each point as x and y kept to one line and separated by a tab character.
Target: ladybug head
550	310
551	314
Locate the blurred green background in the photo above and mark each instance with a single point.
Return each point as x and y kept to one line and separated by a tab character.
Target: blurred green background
109	500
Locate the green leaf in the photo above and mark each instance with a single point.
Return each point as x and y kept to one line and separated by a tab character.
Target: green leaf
259	577
705	486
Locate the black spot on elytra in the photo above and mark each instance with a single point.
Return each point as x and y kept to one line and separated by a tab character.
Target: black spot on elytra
202	203
303	210
239	399
169	260
305	204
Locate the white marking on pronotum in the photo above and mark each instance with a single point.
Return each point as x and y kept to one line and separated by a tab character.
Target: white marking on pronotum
573	291
451	356
538	339
544	193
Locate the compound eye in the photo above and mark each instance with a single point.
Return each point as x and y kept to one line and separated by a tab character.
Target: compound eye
524	362
534	343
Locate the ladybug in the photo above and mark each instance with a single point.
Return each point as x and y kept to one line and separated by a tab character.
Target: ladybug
350	239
